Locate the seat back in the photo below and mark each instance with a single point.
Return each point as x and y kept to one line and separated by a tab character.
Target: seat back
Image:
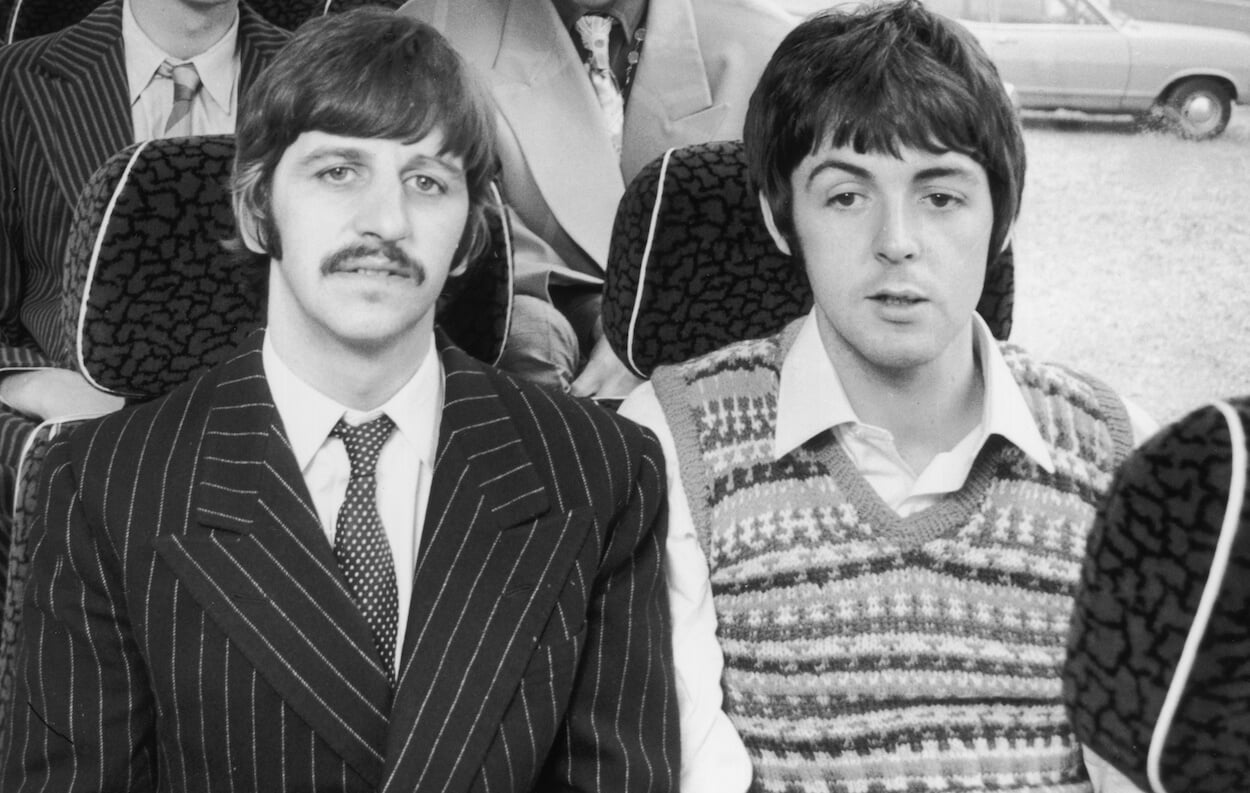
691	266
1157	678
154	298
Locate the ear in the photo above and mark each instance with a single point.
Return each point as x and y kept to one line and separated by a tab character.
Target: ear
771	223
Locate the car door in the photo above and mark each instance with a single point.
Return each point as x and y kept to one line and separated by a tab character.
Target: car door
1059	53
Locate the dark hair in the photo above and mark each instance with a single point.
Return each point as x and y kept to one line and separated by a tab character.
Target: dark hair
368	73
879	78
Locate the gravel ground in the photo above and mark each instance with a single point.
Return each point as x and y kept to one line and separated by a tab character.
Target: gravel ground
1131	253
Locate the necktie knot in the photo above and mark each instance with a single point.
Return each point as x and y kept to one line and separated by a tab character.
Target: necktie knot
186	84
595	31
364	443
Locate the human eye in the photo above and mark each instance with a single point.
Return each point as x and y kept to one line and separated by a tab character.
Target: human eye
940	200
337	174
426	184
845	200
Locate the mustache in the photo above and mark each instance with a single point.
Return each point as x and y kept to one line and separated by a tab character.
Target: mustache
343	257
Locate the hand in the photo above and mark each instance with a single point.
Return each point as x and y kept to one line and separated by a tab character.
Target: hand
605	376
1104	777
53	394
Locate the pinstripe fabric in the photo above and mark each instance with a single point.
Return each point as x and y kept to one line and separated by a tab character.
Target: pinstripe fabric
64	111
185	611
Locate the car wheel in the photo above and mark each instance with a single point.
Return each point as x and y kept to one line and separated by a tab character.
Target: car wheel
1198	108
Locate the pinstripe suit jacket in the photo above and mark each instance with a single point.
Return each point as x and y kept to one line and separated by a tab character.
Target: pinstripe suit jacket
64	109
187	628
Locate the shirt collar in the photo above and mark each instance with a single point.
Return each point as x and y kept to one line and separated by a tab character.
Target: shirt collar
216	66
810	397
308	415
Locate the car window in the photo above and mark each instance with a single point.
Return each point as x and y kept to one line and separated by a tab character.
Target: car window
966	10
1051	12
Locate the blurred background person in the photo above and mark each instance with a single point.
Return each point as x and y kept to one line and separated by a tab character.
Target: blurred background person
590	91
129	71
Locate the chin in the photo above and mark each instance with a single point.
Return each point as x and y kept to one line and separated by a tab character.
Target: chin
900	358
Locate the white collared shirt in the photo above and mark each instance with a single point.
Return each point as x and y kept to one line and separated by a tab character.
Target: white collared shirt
404	465
152	97
810	400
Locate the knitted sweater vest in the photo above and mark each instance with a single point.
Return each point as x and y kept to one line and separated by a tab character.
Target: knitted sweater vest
867	652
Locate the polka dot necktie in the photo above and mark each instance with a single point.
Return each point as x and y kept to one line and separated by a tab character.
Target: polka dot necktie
186	85
595	31
360	544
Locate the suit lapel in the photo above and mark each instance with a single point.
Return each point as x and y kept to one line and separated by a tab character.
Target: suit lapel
78	98
541	85
671	102
259	563
493	556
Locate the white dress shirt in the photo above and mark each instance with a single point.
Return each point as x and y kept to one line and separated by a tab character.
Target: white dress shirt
152	97
810	400
404	465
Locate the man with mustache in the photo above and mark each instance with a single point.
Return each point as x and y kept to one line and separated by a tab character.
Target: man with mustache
352	558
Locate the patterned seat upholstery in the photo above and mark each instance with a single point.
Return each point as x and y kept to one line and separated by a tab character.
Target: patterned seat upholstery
154	297
1158	668
691	265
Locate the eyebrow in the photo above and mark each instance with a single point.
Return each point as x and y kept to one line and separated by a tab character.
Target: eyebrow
353	153
331	153
934	172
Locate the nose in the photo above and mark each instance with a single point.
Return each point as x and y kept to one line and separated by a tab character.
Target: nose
898	238
381	210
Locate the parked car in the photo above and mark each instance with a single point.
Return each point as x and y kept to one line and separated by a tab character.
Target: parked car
1083	55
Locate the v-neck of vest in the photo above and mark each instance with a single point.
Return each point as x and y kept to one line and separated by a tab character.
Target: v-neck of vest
945	518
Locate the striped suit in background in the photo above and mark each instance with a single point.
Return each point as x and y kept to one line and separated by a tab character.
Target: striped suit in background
64	109
187	627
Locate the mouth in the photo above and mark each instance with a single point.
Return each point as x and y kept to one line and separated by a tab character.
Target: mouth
900	299
378	267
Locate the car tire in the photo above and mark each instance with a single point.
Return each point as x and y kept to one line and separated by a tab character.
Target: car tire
1198	108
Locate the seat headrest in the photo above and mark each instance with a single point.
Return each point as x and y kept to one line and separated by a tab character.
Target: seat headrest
1157	679
154	298
691	266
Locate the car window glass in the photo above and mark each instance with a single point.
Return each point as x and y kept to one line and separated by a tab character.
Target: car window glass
1052	12
1085	14
966	10
1031	11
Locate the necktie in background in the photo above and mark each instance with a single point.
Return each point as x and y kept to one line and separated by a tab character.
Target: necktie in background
360	544
595	31
186	85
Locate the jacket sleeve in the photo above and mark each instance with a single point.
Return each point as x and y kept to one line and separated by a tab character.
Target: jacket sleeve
81	716
17	349
621	728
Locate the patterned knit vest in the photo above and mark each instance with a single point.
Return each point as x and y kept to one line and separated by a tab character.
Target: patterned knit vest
866	652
